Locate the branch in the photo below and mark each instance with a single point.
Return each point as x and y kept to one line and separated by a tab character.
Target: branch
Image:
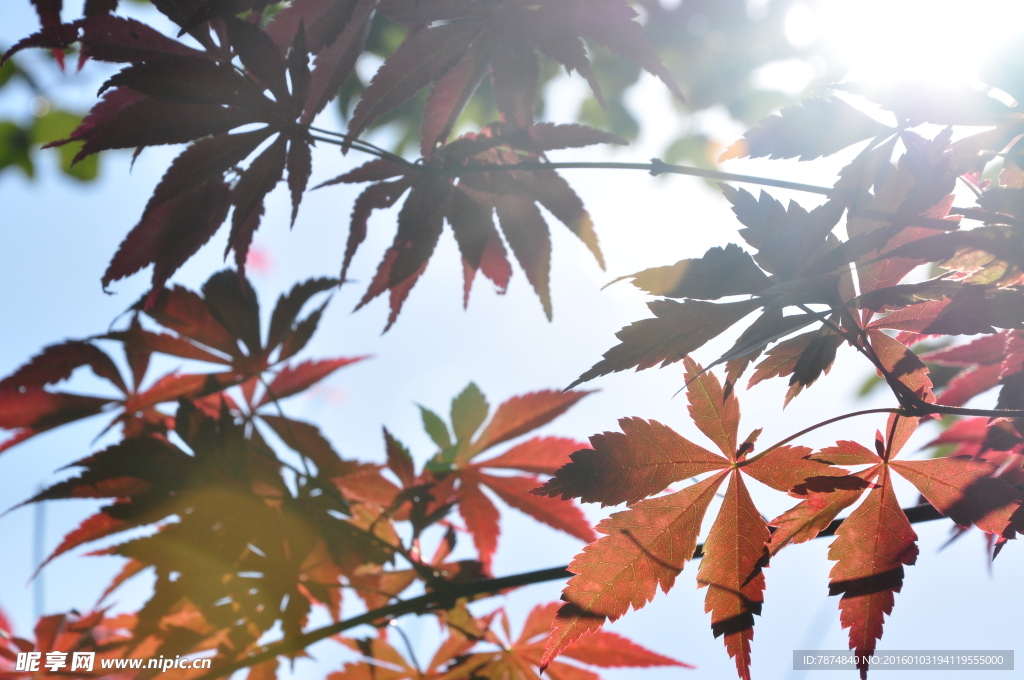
655	167
446	598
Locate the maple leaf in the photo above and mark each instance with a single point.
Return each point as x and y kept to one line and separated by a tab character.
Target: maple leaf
942	104
647	546
982	363
27	408
211	328
630	466
677	330
463	653
456	475
876	541
468	204
787	238
813	128
789	241
871	548
953	308
804	358
174	94
905	370
800	262
471	40
734	554
719	273
912	202
301	548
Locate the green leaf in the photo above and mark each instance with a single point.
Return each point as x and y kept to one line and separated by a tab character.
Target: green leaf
57	125
7	72
469	411
435	427
14	145
444	461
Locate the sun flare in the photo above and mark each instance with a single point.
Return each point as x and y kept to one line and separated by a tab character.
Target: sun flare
898	40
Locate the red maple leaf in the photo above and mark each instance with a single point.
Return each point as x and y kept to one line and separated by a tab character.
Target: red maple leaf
646	547
468	205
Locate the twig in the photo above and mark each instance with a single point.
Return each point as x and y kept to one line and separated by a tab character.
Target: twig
655	167
439	599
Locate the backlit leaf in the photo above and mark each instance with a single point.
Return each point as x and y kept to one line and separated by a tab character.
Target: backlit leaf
871	548
642	548
813	128
630	466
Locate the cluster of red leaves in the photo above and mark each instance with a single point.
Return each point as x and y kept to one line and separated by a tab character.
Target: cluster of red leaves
242	539
464	652
897	218
220	326
267	540
454	477
647	546
248	74
68	633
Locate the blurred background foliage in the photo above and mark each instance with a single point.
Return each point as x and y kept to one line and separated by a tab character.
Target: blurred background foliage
718	50
21	140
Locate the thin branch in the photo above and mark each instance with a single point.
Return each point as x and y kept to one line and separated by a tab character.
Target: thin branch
920	407
442	599
655	167
354	140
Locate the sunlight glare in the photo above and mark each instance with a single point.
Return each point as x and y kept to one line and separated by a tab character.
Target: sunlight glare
939	41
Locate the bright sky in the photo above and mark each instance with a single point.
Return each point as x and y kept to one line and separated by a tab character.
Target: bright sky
893	40
58	237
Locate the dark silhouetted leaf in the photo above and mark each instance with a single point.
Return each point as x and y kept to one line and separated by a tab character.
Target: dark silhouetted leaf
811	129
676	330
719	273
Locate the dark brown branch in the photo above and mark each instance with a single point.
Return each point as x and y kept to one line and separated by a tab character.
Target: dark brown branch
441	599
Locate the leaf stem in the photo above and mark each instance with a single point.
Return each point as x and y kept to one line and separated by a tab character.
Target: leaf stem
408	646
812	428
287	422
